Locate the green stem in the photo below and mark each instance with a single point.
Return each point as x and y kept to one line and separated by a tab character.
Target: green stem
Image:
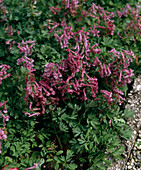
58	139
82	115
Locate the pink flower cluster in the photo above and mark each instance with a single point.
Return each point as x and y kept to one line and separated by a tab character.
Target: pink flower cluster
9	42
134	26
5	118
3	75
10	33
104	18
33	167
81	37
51	25
3	72
10	29
2	136
67	34
25	48
96	11
56	82
4	104
116	72
72	75
71	6
3	10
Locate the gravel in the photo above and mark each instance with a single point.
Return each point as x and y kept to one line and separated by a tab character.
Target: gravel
132	153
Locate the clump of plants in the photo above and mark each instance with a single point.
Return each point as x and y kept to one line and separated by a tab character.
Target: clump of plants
69	64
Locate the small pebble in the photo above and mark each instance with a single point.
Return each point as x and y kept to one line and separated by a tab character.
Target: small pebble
138	126
129	167
128	163
139	135
135	148
139	147
138	87
139	157
134	153
135	132
138	140
134	122
132	164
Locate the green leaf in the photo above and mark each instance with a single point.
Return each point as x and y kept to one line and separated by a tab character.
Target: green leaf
56	167
69	155
8	159
93	103
82	160
72	166
40	56
59	152
70	106
49	160
128	113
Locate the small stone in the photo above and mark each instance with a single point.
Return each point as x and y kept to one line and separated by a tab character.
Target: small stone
138	140
133	122
132	164
139	134
129	147
136	111
125	167
129	101
128	163
134	153
135	132
129	167
138	87
138	126
135	148
132	161
139	147
139	157
138	152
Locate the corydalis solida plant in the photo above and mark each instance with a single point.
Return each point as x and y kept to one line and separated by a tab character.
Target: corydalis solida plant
3	72
84	67
25	48
133	26
73	74
3	10
3	75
